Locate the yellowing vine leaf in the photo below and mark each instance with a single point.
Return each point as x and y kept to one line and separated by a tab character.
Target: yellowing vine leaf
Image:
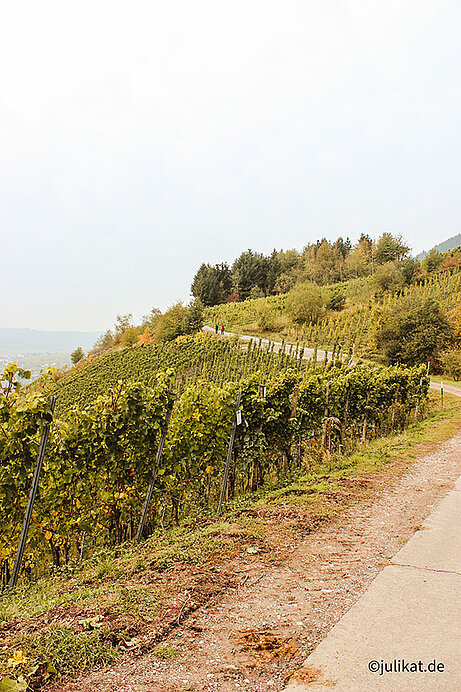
9	685
17	658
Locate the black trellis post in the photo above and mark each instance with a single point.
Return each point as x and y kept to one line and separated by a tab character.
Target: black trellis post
150	490
31	500
229	453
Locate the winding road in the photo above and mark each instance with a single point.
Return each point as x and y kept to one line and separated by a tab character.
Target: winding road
309	352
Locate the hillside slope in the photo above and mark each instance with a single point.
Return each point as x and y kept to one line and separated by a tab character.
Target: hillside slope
354	326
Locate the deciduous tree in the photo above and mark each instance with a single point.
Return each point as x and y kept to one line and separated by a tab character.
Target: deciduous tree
415	332
305	303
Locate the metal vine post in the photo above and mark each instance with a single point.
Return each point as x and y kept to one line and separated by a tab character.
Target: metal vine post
229	453
31	500
150	490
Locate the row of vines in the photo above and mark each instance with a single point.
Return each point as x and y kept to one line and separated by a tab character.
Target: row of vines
190	357
353	326
100	455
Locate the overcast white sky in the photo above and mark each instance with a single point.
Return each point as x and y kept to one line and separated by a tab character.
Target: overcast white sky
138	139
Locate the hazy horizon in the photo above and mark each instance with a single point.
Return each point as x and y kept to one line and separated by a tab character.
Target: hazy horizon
14	339
97	332
139	142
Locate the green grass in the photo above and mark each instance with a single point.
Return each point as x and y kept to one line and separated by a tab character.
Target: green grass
446	380
58	650
165	651
128	589
68	651
140	601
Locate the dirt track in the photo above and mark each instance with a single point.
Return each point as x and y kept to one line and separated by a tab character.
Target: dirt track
255	635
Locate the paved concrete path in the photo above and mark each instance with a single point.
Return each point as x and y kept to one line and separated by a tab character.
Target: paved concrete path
447	388
308	352
410	613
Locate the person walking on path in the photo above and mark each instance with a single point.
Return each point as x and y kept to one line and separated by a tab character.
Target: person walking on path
222	329
216	328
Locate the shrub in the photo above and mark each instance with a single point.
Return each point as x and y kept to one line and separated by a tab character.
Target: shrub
388	277
178	320
130	336
305	303
451	361
265	316
77	355
415	332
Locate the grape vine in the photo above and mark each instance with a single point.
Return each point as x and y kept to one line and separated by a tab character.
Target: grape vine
100	455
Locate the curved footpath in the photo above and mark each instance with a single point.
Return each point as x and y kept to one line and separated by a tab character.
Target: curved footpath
447	388
309	352
404	632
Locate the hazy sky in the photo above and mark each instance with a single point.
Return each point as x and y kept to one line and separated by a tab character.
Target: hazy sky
138	139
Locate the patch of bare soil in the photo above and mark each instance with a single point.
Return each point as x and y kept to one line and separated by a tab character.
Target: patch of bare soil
255	633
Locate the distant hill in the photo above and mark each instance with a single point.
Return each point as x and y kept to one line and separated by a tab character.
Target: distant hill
450	244
35	341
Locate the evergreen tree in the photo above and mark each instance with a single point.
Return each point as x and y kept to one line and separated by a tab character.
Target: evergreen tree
390	248
248	271
77	355
212	285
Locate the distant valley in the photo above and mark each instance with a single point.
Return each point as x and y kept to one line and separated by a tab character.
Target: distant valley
35	349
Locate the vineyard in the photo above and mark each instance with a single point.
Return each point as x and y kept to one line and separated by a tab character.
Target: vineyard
189	357
353	327
292	414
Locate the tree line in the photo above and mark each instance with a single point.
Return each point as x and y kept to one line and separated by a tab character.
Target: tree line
255	275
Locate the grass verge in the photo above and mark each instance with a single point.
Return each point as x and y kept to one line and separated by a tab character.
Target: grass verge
446	380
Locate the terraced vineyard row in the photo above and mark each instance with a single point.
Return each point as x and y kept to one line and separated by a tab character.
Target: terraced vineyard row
100	455
189	357
354	326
